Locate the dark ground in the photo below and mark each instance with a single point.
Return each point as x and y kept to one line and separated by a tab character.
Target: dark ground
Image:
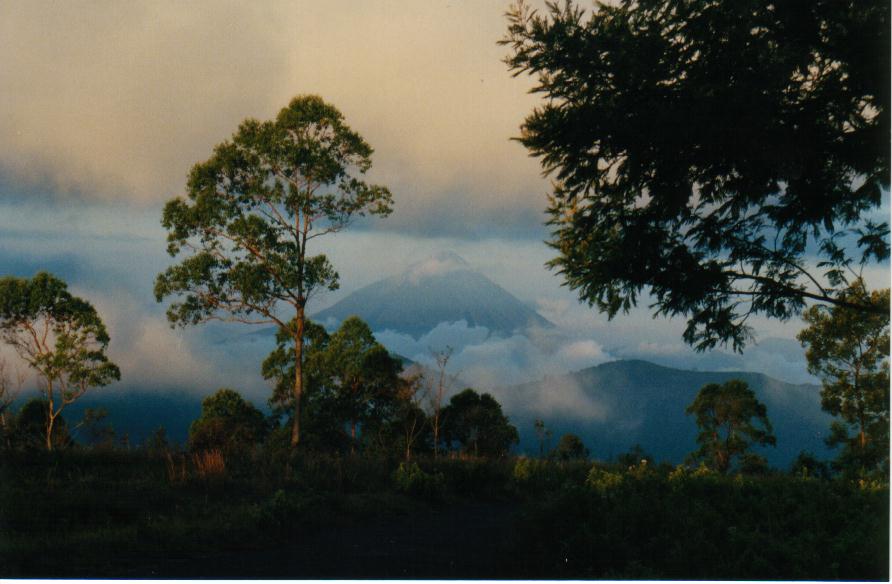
463	541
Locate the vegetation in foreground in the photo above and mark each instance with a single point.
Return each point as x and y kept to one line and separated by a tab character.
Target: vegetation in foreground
79	513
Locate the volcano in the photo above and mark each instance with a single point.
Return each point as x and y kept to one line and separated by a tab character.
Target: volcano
443	288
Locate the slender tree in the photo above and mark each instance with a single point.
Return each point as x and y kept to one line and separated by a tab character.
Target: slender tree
849	351
731	420
410	417
702	150
437	387
250	216
58	335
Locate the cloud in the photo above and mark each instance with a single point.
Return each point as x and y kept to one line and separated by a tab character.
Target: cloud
117	101
559	398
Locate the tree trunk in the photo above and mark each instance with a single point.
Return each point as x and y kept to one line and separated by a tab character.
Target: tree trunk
50	418
298	376
436	433
49	431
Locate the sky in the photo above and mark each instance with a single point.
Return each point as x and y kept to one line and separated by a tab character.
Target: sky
106	105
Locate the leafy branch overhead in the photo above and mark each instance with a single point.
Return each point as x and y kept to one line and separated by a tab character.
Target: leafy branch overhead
705	152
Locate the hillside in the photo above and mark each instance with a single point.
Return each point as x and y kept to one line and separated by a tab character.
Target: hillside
639	402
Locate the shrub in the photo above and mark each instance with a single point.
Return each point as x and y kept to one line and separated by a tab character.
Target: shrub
287	512
603	480
411	479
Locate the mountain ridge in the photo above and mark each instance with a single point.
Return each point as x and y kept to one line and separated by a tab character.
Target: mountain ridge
617	404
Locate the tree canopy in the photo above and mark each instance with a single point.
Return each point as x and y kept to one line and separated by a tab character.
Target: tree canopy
352	382
703	151
250	216
58	335
730	420
849	351
227	423
476	422
570	447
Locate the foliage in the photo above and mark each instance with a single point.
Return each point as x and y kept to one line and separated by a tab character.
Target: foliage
708	527
350	381
58	335
227	423
410	478
251	213
476	422
807	466
849	351
731	420
603	480
571	447
364	376
321	423
702	150
406	428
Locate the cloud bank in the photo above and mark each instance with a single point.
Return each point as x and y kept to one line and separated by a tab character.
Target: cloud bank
116	100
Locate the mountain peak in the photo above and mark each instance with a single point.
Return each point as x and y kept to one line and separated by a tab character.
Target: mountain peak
442	262
441	289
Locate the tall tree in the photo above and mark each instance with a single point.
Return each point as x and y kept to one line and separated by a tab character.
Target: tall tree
58	335
700	149
278	367
409	417
731	420
251	213
849	351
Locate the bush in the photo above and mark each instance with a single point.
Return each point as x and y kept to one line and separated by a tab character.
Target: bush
410	479
603	480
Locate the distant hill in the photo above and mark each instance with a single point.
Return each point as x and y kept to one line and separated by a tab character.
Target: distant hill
617	404
443	288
